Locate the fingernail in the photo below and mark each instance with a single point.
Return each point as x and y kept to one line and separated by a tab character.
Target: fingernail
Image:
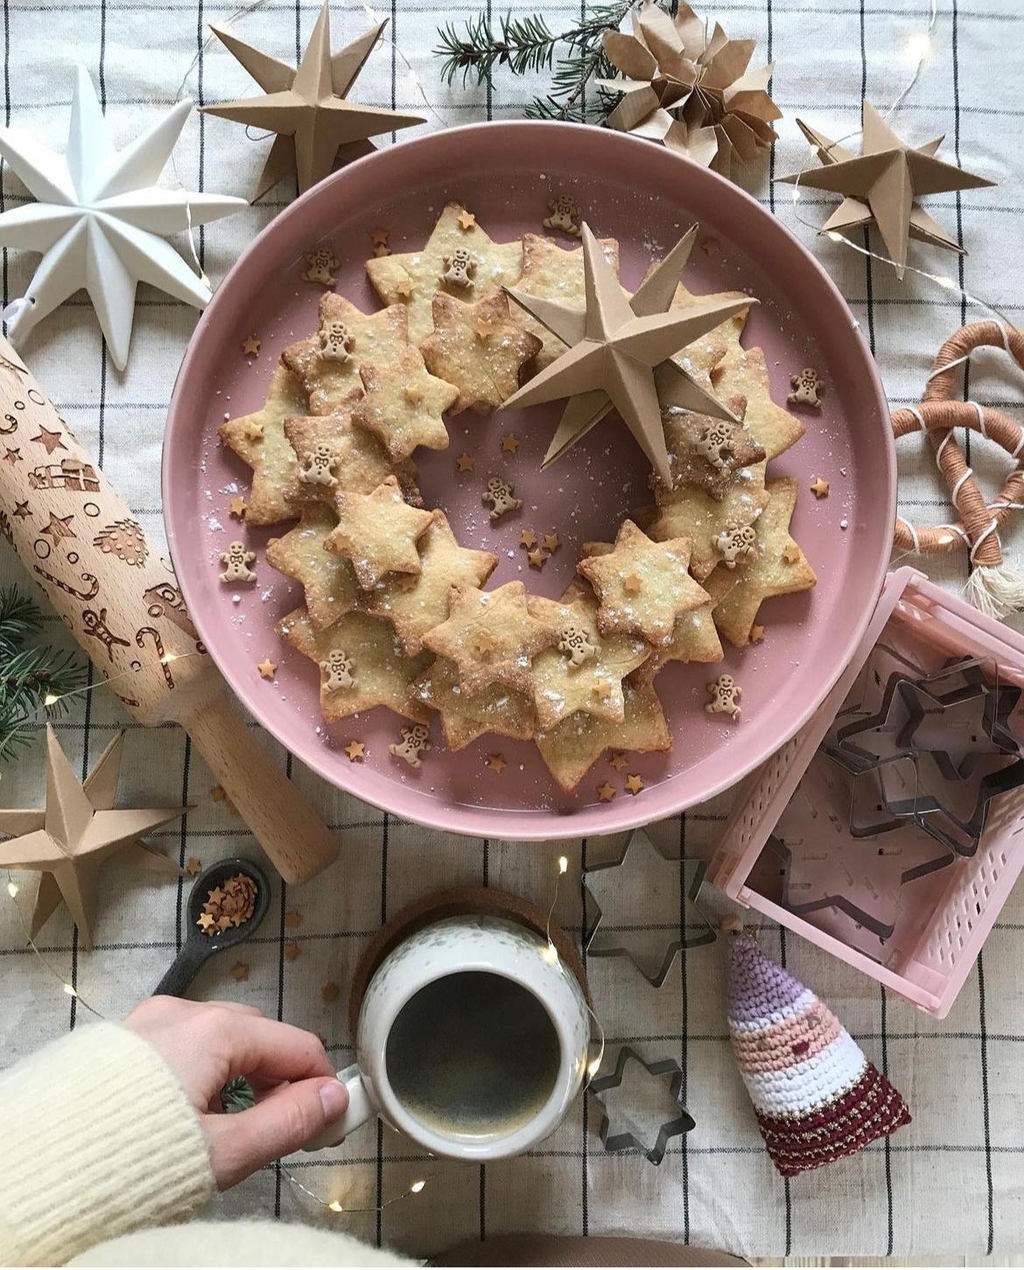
334	1097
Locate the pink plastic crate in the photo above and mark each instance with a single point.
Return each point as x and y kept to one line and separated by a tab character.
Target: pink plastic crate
945	918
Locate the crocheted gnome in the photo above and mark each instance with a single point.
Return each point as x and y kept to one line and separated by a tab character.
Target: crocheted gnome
816	1096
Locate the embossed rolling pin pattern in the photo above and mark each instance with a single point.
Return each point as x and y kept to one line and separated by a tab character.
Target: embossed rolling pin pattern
80	542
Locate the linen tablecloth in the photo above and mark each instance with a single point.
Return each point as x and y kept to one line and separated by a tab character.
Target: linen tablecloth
950	1182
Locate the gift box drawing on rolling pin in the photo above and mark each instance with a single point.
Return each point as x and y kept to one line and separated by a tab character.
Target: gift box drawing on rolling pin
890	830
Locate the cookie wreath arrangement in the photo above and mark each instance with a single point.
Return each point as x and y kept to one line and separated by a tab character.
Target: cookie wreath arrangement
396	612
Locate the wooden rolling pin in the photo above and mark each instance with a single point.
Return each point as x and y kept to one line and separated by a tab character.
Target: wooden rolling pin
80	542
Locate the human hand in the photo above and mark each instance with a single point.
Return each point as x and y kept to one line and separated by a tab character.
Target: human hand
207	1043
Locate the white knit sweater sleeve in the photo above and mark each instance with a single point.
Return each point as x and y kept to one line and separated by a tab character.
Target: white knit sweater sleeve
98	1139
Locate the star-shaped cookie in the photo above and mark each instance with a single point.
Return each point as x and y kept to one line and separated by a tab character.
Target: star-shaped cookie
708	453
701	356
584	671
643	586
478	348
380	674
415	604
743	372
356	460
404	403
499	709
556	273
491	637
259	440
779	569
329	580
378	532
328	362
690	513
412	278
573	746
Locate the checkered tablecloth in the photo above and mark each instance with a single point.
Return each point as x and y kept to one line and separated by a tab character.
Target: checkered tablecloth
952	1181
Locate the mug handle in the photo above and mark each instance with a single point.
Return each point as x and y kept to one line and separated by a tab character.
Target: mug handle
360	1109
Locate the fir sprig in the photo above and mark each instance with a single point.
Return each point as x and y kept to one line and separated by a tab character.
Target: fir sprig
29	674
526	45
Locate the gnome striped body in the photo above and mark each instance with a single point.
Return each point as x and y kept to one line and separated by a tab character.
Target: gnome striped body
816	1095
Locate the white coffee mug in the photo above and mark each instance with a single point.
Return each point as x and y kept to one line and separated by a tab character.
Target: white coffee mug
473	1039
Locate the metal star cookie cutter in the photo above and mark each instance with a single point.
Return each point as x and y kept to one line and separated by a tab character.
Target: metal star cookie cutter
868	688
879	733
626	1134
643	882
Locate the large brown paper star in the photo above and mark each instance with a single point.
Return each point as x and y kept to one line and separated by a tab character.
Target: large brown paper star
882	185
77	831
615	344
306	107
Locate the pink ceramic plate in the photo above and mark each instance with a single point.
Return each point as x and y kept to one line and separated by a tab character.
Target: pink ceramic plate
646	197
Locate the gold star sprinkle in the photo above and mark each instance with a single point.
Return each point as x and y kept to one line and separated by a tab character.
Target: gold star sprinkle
413	394
483	644
239	971
552	542
466	219
496	762
330	992
791	553
382	249
602	688
239	507
254	430
617	760
631	584
267	668
403	288
291	951
510	443
605	792
251	346
193	866
379	237
528	538
355	750
205	921
819	488
756	634
465	462
292	920
634	783
709	246
218	795
536	558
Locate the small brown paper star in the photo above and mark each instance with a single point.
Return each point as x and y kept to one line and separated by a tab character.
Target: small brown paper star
882	185
306	107
605	792
69	840
251	346
614	348
267	669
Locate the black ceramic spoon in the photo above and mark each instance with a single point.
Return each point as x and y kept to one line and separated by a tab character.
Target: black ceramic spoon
199	946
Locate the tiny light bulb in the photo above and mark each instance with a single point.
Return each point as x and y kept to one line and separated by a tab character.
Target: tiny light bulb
948	283
835	237
919	46
69	988
167	658
593	1067
12	889
563	864
550	954
417	1187
50	699
335	1206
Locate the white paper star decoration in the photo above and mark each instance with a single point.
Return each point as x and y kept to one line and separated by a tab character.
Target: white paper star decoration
100	220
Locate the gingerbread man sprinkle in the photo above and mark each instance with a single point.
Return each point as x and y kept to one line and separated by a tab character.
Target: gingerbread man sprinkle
415	741
322	264
807	389
565	215
317	467
725	693
501	496
338	669
575	643
237	560
459	268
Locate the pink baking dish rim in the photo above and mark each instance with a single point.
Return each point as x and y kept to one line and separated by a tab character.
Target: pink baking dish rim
658	801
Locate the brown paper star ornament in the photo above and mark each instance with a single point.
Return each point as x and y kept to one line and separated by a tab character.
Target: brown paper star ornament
614	347
316	126
690	87
77	831
882	185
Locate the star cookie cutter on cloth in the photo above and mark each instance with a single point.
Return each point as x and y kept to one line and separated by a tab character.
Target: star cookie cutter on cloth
642	906
993	586
620	1129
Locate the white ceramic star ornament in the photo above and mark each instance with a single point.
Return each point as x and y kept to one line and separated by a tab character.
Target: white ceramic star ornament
100	220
